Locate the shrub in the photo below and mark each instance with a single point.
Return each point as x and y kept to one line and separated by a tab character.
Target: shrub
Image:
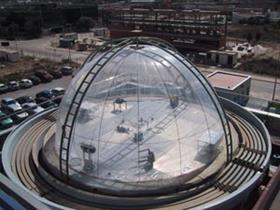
84	24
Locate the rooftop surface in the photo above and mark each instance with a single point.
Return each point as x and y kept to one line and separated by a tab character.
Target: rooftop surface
5	50
225	80
223	52
178	144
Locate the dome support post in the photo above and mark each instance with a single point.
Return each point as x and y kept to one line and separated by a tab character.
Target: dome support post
211	92
68	126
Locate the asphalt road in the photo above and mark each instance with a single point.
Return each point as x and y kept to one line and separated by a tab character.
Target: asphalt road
264	90
41	48
259	89
63	82
261	86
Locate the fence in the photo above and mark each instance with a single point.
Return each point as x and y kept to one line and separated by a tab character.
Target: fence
54	56
267	111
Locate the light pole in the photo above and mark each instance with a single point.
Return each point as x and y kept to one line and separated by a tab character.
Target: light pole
69	55
275	81
274	88
15	34
54	50
16	44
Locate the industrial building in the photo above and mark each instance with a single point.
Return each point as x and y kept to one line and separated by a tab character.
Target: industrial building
139	128
222	58
8	55
188	30
233	86
67	40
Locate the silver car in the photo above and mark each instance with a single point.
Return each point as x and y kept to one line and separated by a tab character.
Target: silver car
25	83
32	108
3	88
10	105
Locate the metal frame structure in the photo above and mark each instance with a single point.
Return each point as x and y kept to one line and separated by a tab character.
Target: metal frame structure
211	92
110	49
68	125
230	189
188	30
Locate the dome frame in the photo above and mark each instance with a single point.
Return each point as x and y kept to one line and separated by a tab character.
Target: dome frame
110	49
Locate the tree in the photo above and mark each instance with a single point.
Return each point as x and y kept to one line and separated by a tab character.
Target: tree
2	30
249	37
32	29
243	21
12	30
84	24
258	36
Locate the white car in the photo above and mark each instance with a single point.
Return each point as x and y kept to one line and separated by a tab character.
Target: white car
13	85
25	83
10	105
20	116
32	108
3	88
58	91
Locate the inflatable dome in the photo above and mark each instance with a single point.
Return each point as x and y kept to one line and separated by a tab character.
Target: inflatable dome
139	118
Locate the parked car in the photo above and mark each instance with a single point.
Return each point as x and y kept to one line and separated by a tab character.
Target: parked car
35	80
5	121
74	73
46	94
58	91
3	88
18	117
5	43
32	108
56	74
45	102
240	48
44	76
57	99
13	85
25	83
66	70
24	99
10	105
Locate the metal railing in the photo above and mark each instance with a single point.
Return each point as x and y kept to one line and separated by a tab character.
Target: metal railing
23	110
251	102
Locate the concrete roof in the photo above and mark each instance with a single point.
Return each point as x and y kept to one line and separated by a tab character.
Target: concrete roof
223	52
227	80
5	50
144	1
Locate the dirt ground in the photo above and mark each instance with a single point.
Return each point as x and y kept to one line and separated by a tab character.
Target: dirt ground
270	38
26	66
267	32
266	62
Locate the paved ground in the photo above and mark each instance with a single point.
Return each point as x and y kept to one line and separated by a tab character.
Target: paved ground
261	86
276	202
259	89
42	48
63	82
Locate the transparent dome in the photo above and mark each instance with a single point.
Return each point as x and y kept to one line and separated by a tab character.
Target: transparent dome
144	122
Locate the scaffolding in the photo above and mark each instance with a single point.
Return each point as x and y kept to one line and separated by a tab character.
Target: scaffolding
187	30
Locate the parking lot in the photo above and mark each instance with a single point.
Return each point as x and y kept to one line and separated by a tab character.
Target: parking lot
262	86
62	82
11	117
41	48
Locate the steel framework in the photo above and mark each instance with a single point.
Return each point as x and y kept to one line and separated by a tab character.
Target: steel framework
187	30
110	49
